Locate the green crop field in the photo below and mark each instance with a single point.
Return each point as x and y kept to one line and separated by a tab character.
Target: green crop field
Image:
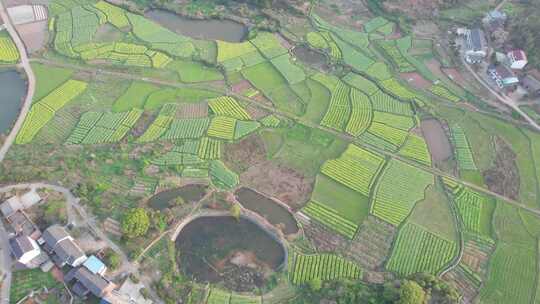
48	79
326	267
221	176
339	109
228	106
361	113
356	168
187	128
399	188
43	110
8	50
291	72
462	148
134	97
418	250
415	148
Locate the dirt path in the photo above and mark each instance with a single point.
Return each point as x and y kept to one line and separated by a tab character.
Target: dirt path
25	64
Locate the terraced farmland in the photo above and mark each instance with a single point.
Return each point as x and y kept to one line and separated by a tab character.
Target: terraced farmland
324	266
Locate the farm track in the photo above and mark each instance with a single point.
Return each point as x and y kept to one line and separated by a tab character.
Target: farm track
271	109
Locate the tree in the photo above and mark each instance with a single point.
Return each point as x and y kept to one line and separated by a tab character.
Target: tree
411	293
135	223
113	259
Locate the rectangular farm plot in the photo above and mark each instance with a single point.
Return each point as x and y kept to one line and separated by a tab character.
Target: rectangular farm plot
187	128
475	210
462	148
99	128
221	176
339	110
363	84
8	50
228	106
330	218
404	123
356	168
399	188
44	110
289	70
416	148
222	127
327	267
386	103
395	137
348	203
418	250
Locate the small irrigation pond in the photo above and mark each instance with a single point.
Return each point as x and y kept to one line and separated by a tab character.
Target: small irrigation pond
208	29
271	210
12	91
169	198
239	253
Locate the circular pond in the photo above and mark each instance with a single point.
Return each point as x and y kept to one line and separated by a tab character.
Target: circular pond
12	90
238	253
167	199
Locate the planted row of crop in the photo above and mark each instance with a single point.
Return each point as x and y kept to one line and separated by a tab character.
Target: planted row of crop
8	50
339	109
391	51
356	168
221	176
228	106
443	92
386	103
209	148
187	128
416	148
400	187
470	205
330	218
222	127
418	250
361	113
462	148
326	267
43	111
110	127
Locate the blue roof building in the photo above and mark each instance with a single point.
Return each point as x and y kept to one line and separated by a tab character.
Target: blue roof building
95	265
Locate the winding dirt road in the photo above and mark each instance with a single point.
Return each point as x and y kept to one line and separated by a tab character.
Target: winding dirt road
25	64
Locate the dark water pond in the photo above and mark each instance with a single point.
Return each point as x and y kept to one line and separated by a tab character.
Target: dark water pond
12	91
268	208
189	193
211	29
309	56
223	249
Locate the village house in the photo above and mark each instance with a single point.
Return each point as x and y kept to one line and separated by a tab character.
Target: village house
87	282
62	247
476	48
532	85
517	59
24	249
95	265
16	203
503	76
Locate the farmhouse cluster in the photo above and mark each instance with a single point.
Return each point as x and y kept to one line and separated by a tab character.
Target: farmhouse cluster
504	64
55	250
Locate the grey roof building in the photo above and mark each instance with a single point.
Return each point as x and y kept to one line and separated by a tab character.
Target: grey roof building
476	45
62	247
24	249
532	85
87	282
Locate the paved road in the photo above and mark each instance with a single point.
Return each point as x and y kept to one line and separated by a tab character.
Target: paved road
25	64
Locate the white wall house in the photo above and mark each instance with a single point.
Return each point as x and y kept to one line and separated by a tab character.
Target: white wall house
517	59
24	249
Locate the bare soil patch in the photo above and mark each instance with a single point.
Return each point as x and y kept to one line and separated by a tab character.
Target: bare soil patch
503	177
34	35
323	239
193	110
416	80
279	181
456	76
242	155
372	245
241	86
256	112
437	141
